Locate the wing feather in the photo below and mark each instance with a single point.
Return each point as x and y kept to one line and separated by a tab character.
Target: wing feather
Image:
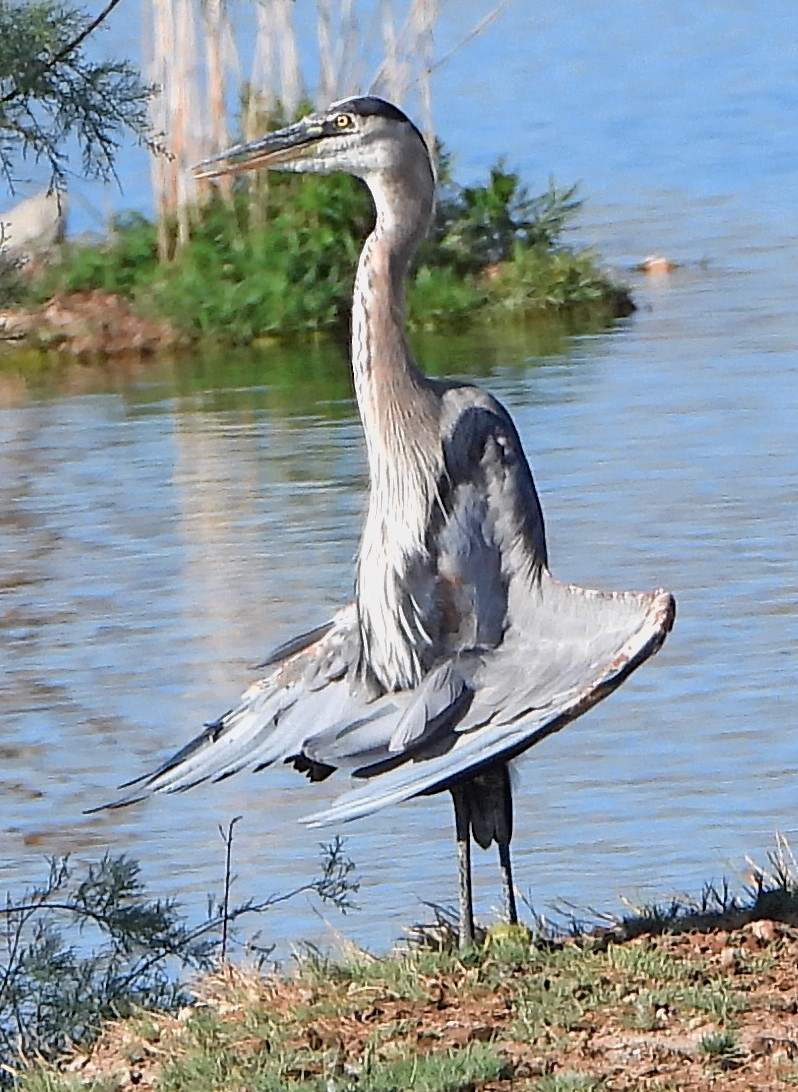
311	688
490	732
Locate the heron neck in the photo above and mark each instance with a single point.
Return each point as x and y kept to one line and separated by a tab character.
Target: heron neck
388	383
399	408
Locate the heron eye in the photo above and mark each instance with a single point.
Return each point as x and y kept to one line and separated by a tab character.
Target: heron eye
342	121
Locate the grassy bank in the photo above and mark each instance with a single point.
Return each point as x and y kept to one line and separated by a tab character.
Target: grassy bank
281	264
687	1011
685	996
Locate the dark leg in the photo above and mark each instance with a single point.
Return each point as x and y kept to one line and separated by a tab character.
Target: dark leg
462	827
504	833
510	912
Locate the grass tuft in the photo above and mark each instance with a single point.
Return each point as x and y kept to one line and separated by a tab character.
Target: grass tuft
717	1044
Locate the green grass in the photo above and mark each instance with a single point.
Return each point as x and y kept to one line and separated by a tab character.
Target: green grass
266	1056
433	1022
635	983
450	1071
719	1044
678	1007
567	1082
279	260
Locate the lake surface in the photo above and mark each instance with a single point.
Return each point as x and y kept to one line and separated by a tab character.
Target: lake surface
161	529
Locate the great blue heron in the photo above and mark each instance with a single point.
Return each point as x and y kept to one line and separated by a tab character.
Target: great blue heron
460	650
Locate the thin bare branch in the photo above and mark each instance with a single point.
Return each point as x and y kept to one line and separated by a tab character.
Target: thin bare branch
475	31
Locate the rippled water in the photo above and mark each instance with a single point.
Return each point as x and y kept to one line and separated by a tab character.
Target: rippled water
161	530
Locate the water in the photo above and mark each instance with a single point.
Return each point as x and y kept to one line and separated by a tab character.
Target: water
162	529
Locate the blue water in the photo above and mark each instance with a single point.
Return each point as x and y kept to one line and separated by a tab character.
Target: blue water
162	530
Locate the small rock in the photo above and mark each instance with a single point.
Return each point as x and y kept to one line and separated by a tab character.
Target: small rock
657	265
728	959
763	930
481	1033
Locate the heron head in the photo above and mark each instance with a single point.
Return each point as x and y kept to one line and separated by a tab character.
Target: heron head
363	136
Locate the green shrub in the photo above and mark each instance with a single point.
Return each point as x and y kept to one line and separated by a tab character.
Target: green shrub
541	278
277	258
242	280
81	949
480	226
12	285
56	986
121	264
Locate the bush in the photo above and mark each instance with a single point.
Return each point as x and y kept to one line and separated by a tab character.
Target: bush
480	226
12	285
291	274
122	264
79	950
280	261
54	991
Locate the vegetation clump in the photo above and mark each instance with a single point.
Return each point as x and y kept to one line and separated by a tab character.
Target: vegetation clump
85	947
699	1005
278	260
51	91
12	285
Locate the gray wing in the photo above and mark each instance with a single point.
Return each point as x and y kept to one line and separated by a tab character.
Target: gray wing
577	647
313	683
474	708
519	654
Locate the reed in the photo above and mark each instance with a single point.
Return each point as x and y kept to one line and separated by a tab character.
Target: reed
173	40
340	44
197	51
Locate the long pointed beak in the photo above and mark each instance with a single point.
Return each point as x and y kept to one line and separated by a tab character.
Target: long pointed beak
284	146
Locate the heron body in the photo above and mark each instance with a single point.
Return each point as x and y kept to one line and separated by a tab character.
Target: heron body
460	650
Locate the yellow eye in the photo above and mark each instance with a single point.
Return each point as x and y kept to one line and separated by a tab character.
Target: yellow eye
342	121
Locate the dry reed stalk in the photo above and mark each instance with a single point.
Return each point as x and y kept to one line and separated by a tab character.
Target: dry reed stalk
388	78
221	59
158	46
291	87
185	98
327	61
191	107
340	50
408	57
275	84
212	15
261	97
172	67
423	15
260	103
191	111
475	31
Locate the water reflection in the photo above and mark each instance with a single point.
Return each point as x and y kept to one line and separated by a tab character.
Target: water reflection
159	537
161	526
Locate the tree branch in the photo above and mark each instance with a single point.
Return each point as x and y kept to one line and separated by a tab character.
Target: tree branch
62	54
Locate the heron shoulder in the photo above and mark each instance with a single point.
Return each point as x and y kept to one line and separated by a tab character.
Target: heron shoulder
470	419
464	401
482	450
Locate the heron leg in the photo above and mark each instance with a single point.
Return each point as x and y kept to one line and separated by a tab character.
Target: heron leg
508	890
462	826
503	835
